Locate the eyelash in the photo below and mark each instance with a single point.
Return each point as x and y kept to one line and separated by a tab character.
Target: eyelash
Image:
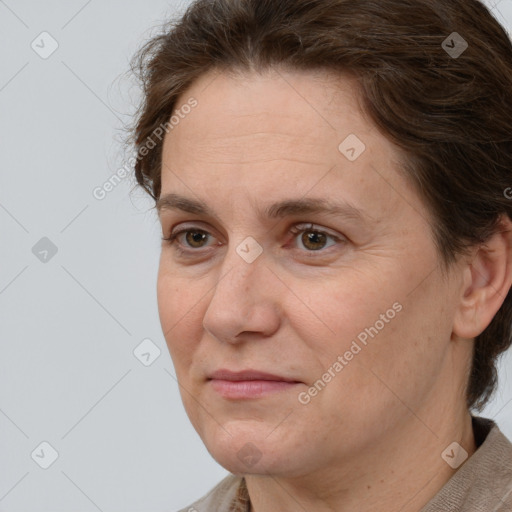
295	230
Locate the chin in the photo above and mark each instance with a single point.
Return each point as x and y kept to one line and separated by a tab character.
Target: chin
246	448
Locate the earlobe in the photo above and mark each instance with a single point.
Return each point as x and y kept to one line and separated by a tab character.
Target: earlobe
486	282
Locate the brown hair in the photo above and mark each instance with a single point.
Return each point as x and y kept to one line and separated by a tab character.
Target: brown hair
450	114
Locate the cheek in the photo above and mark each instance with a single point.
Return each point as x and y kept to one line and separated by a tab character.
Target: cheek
178	309
374	323
337	310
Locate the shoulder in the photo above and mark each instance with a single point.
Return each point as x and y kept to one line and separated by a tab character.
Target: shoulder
484	481
218	499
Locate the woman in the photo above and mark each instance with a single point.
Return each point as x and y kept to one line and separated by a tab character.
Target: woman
331	180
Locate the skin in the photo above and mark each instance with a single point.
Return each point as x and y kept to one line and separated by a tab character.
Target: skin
372	438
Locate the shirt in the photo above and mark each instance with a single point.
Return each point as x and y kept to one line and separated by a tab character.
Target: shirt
482	484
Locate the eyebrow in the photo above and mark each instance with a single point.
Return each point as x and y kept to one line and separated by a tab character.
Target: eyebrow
281	209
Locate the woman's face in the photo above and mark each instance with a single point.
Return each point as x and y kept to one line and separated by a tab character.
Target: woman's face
347	306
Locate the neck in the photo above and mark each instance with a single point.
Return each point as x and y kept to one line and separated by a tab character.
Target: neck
384	477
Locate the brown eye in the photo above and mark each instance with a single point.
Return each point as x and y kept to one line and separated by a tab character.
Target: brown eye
313	240
194	237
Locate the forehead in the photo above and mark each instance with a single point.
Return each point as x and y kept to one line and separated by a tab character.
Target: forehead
274	111
280	129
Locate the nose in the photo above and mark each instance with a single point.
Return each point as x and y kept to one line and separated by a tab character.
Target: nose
245	300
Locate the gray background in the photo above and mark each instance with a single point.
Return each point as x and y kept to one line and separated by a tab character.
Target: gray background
70	321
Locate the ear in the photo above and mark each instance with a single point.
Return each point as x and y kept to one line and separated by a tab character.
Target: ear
487	280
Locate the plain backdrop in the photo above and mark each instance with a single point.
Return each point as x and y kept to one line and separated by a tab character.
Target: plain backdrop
78	276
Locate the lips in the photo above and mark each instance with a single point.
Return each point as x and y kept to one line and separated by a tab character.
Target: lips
247	375
248	384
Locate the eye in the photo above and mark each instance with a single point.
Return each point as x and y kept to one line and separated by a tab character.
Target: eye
312	239
194	237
